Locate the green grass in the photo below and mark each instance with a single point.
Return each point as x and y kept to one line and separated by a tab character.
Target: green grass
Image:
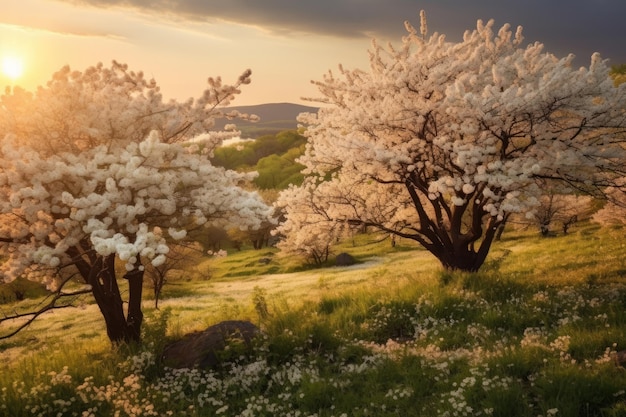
533	333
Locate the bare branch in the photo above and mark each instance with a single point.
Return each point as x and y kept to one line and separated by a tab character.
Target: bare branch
52	305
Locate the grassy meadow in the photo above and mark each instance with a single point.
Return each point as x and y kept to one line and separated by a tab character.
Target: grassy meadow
534	333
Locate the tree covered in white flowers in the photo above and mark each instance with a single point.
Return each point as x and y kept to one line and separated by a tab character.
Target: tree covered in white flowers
565	209
614	211
439	141
96	167
309	230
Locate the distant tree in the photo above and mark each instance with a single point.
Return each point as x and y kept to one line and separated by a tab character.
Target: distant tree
21	289
614	211
258	238
290	139
261	236
278	171
277	144
235	156
213	237
179	260
265	146
307	230
246	155
445	139
563	209
93	170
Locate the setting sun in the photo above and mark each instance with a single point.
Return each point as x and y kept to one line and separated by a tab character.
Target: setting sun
12	67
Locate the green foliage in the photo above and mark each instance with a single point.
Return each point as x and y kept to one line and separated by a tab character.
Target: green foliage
155	329
260	303
272	156
20	289
277	172
233	157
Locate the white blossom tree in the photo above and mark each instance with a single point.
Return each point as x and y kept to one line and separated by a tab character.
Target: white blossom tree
96	167
565	209
180	261
440	140
614	210
308	227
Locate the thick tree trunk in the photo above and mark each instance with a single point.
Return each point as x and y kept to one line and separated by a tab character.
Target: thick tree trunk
451	233
107	295
458	252
463	256
100	274
468	261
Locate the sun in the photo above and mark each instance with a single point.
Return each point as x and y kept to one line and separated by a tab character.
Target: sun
12	67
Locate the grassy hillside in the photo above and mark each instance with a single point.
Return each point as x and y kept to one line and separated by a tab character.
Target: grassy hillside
273	157
533	334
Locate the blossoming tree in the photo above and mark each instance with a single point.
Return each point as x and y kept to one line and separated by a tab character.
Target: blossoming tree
614	210
563	209
96	168
440	140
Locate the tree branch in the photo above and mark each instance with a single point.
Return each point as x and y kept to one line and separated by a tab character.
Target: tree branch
34	314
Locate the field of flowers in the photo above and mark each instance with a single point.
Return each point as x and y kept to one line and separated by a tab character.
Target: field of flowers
533	334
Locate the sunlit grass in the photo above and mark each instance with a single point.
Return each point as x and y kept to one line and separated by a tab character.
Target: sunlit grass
586	254
533	333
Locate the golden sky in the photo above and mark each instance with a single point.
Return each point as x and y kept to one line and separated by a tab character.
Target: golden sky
286	43
179	55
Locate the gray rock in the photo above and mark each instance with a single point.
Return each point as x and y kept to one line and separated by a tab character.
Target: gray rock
344	259
202	349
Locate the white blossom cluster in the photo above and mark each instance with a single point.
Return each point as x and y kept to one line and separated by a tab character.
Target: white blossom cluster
96	163
460	132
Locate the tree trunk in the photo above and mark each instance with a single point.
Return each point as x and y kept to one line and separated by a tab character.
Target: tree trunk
457	252
452	233
467	261
121	328
135	315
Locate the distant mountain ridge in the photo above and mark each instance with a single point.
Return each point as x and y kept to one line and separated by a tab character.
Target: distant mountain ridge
275	117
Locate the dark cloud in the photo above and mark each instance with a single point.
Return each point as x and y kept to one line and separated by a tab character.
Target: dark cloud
578	26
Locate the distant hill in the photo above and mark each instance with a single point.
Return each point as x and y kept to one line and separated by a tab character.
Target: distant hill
275	117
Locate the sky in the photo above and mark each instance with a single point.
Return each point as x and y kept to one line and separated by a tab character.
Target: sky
286	43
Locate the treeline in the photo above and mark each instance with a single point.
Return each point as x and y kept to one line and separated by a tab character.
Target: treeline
272	156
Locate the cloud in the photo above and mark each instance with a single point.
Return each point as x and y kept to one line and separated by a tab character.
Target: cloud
53	18
51	30
348	18
579	26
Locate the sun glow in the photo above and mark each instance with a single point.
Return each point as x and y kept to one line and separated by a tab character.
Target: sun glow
12	67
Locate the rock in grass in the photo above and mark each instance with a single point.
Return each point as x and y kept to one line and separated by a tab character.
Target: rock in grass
344	259
207	349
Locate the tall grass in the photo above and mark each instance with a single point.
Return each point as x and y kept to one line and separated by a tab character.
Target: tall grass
533	334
